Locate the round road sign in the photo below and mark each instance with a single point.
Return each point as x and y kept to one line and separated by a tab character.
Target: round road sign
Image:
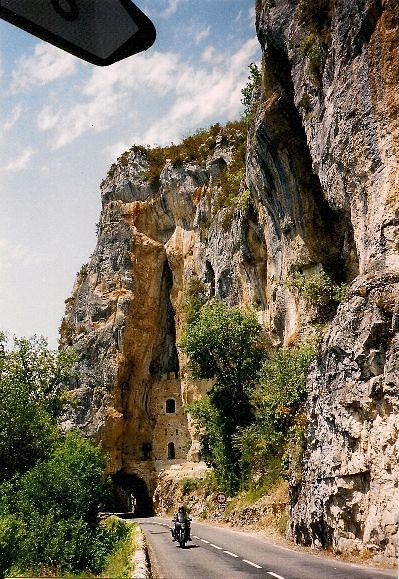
221	498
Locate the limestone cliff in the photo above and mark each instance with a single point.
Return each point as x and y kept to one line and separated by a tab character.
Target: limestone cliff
320	194
324	169
164	228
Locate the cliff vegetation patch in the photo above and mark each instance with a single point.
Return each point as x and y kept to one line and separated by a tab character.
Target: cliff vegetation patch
319	290
194	148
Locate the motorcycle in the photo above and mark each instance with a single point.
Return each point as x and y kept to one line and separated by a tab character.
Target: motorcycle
182	533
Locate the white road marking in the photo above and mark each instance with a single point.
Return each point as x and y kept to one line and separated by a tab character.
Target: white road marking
203	540
216	547
274	575
253	564
195	537
230	553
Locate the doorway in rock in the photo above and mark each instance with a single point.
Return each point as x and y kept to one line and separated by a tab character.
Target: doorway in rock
131	495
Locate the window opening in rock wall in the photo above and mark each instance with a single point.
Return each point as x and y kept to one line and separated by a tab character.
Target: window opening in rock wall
170	406
171	450
146	450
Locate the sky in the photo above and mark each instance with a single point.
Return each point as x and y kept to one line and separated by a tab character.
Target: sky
64	122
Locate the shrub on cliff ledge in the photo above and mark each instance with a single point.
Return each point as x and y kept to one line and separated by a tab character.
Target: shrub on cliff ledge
250	89
319	290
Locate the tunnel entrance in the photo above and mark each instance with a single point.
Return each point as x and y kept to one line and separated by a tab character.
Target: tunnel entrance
131	495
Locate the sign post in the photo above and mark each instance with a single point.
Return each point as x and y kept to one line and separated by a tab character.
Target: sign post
99	31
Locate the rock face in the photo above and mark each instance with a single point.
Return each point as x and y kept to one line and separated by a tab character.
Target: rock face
322	172
324	166
125	314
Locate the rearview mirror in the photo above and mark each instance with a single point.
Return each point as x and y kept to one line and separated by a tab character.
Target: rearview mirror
98	31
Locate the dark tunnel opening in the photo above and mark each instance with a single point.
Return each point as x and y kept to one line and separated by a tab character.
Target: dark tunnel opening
130	495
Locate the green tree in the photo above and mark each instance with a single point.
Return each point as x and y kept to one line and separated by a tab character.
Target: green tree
50	486
224	344
32	380
52	510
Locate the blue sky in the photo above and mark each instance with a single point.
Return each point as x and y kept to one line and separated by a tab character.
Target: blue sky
65	121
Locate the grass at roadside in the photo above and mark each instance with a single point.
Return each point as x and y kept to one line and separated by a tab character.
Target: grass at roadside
119	563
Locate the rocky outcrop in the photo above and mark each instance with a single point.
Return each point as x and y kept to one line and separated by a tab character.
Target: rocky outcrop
324	167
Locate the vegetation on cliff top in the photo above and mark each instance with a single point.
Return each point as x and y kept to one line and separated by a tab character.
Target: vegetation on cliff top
193	148
229	191
319	290
51	485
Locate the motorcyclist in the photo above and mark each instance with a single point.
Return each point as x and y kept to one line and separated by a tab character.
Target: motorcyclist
181	518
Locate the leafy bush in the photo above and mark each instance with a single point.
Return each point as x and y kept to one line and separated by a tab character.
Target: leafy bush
277	404
119	563
71	482
32	380
54	507
283	384
188	485
50	487
10	528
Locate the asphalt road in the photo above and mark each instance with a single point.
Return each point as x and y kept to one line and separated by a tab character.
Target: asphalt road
224	553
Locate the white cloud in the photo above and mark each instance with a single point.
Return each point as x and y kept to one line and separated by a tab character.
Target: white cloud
195	95
16	255
107	95
211	56
12	118
47	64
20	162
171	9
201	34
95	115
